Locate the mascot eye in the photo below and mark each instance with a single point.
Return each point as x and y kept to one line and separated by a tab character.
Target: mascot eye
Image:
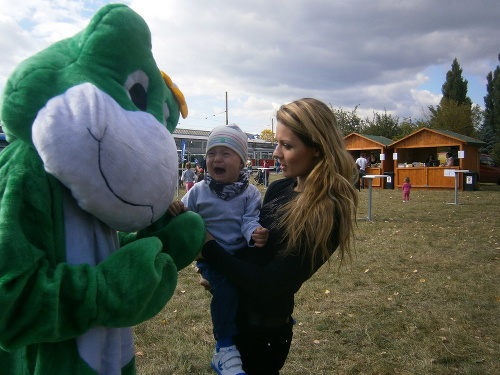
137	89
139	96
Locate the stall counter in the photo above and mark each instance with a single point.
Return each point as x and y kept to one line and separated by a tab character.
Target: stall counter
378	183
425	177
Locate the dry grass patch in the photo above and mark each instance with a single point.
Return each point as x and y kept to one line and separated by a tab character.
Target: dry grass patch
420	297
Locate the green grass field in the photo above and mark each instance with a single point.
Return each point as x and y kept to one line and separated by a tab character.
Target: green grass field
421	296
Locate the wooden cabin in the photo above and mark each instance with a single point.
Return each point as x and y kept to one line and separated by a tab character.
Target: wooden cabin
411	158
357	143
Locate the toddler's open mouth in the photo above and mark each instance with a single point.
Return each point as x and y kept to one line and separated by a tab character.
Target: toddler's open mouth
219	171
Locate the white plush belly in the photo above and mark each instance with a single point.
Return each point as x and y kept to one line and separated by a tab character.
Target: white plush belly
90	241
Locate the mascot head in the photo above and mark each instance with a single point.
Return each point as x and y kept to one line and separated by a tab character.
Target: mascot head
99	112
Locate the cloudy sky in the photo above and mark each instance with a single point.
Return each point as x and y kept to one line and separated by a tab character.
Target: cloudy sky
381	55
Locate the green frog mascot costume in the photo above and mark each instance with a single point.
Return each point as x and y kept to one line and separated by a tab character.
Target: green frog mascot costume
87	249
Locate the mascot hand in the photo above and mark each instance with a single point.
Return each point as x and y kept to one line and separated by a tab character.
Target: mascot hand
135	279
182	236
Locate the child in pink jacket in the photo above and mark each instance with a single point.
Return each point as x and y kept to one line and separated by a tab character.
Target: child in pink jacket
406	189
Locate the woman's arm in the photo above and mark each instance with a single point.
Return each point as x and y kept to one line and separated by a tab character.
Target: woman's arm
280	275
259	271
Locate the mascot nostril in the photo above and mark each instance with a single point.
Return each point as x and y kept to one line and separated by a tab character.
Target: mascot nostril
87	248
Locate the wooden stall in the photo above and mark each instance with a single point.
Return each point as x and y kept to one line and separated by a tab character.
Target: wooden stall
357	143
411	158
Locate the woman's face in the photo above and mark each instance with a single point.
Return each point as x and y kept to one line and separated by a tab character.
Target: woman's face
296	158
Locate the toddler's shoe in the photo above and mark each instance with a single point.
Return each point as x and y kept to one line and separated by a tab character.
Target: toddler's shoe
227	361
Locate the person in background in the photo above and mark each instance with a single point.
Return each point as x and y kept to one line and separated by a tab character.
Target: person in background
203	163
249	167
267	171
200	175
373	160
406	189
309	213
277	165
429	162
230	206
361	163
450	162
188	177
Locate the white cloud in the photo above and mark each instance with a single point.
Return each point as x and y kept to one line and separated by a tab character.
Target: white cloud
265	53
425	98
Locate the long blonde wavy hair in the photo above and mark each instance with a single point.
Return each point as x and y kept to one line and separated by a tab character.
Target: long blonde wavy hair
328	196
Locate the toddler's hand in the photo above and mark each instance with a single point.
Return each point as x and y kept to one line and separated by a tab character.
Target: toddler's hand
177	208
260	236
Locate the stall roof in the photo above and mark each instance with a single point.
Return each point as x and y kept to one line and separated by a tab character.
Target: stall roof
468	140
449	134
383	141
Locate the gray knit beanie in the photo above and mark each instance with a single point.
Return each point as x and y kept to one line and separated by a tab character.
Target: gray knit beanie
230	136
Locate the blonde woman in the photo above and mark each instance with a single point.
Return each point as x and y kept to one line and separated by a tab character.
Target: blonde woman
310	214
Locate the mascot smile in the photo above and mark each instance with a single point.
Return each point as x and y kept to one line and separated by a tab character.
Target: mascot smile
87	249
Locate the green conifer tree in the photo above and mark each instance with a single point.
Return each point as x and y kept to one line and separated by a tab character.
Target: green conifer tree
454	112
490	131
455	86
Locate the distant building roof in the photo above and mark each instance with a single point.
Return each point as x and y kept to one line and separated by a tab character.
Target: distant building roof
469	140
449	134
378	138
383	141
205	133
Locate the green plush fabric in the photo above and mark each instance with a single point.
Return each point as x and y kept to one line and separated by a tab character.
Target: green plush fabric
116	44
50	358
48	304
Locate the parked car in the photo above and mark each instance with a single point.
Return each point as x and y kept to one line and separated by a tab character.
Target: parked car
488	170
